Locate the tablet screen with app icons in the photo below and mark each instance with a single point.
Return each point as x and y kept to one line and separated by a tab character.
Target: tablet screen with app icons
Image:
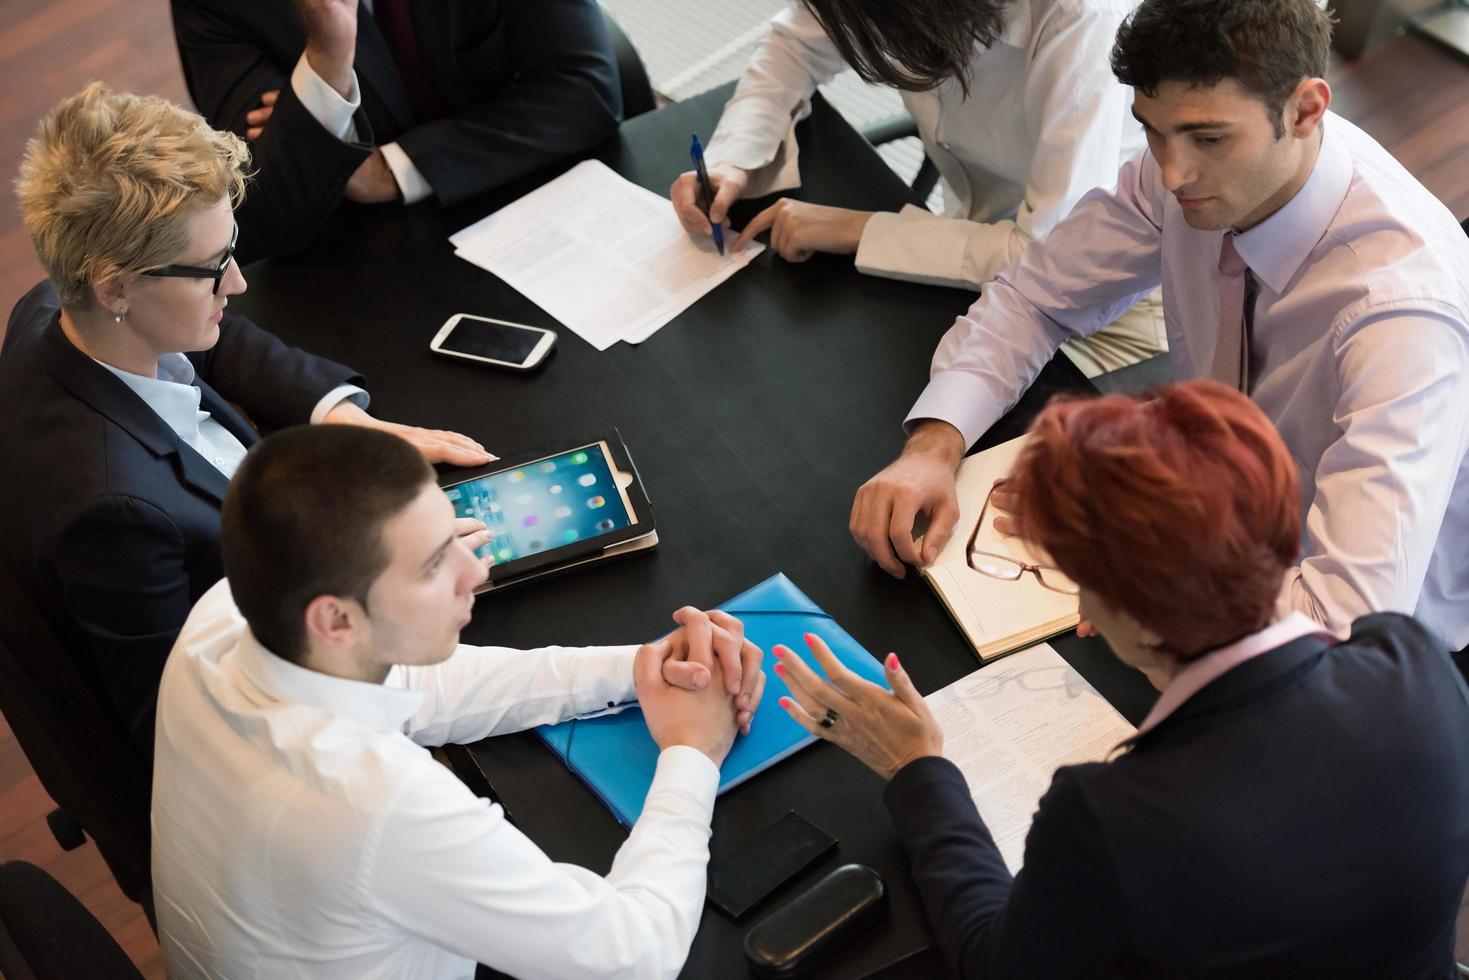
546	504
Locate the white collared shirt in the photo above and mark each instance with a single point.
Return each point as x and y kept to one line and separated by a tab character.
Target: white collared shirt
175	398
300	829
1045	122
1361	347
335	113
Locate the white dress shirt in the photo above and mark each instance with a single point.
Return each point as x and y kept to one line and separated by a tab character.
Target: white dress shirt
300	829
335	113
175	398
1044	123
1360	347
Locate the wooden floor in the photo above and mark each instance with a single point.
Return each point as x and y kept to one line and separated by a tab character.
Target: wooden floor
1410	94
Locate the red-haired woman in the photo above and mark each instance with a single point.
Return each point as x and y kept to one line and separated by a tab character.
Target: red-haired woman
1288	808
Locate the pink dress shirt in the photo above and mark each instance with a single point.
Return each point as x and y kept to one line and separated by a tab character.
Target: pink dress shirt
1359	354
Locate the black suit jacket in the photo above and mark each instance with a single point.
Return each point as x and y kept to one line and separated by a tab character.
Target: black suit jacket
1304	815
107	519
523	84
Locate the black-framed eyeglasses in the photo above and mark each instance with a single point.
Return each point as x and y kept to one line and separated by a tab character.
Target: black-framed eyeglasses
201	271
1007	568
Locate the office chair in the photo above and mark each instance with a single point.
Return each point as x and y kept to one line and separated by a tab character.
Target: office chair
46	934
901	127
80	750
637	91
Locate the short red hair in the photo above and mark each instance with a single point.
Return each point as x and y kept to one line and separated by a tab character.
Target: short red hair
1180	509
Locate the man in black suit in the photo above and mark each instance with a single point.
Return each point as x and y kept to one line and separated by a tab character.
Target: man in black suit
393	99
117	379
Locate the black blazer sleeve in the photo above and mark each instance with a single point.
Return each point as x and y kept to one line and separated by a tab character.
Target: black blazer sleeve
276	384
299	169
1061	916
565	99
121	563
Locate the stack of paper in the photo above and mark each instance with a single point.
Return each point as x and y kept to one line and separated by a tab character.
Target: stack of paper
996	615
603	256
1010	725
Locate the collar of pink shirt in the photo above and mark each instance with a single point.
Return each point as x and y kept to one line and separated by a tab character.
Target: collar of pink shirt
1211	666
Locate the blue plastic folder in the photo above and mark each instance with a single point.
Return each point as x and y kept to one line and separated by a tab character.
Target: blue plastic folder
615	755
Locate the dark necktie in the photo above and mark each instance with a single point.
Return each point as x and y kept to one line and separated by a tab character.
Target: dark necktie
1233	359
395	19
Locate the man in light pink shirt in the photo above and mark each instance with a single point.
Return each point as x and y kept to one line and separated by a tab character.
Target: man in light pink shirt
1299	262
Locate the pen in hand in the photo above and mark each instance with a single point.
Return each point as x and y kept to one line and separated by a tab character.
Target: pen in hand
706	193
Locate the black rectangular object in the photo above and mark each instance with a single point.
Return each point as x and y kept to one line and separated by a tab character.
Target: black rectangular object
777	854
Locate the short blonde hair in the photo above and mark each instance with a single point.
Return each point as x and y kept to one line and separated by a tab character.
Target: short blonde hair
109	180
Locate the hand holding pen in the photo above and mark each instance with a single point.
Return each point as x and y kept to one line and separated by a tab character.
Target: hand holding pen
701	217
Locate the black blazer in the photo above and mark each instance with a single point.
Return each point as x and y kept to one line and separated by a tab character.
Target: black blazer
1304	815
523	85
107	519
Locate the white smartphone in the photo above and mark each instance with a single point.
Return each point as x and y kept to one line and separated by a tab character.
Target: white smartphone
495	342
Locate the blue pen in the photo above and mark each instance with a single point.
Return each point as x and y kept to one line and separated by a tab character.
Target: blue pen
706	193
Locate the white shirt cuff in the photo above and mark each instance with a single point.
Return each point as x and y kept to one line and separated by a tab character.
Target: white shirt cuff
335	397
960	399
411	183
691	774
325	103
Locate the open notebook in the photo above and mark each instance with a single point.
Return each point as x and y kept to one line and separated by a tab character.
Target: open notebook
997	616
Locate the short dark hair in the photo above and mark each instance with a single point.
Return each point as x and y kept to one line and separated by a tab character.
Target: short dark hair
1267	46
915	44
304	517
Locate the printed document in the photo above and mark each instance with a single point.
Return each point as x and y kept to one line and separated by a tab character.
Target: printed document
1010	725
605	257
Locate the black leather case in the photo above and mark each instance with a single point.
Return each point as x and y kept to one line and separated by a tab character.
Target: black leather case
797	936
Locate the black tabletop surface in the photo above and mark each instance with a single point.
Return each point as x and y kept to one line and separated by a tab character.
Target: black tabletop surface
753	417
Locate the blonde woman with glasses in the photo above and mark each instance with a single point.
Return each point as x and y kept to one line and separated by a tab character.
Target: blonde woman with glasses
128	393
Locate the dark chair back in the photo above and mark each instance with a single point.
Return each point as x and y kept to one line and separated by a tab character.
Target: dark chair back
78	747
46	934
637	91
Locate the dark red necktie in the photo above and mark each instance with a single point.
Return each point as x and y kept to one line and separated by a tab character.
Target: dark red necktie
395	18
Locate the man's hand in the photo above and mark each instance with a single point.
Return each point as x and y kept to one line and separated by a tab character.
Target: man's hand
799	230
715	641
437	445
331	40
256	119
704	718
728	183
474	535
919	483
373	182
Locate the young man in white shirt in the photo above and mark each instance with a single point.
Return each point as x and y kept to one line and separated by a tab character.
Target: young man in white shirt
299	826
1299	262
1015	106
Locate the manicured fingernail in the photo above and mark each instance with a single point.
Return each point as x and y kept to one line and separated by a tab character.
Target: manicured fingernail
893	662
779	651
785	702
810	638
780	669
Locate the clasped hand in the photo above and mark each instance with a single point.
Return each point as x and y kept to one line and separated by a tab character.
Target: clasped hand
701	683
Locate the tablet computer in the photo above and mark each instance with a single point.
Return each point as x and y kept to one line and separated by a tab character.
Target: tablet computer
557	508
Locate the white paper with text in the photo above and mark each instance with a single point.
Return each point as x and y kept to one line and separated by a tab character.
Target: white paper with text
606	258
1010	725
